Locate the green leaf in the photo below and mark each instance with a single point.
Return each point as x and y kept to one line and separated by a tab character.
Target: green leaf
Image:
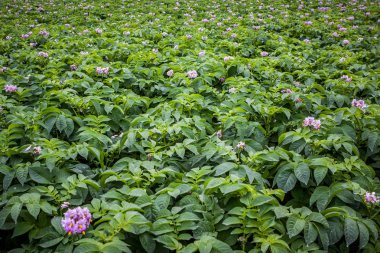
224	167
321	195
15	211
56	223
286	180
33	209
335	231
364	235
147	242
294	226
221	247
259	200
51	243
319	174
228	188
214	182
310	233
351	231
302	173
22	174
61	123
69	127
21	228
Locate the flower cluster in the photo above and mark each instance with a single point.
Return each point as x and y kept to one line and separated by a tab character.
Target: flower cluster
98	30
370	197
227	58
10	88
310	121
73	67
358	103
3	69
76	220
170	73
192	74
288	91
308	23
240	145
346	77
264	53
44	33
25	36
43	54
101	70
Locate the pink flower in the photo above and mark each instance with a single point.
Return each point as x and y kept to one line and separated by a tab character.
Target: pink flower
76	220
192	74
205	20
98	30
335	34
317	124
358	103
288	91
10	88
307	23
37	150
44	33
347	78
346	42
264	53
170	73
101	70
240	145
65	205
43	54
370	197
308	121
227	58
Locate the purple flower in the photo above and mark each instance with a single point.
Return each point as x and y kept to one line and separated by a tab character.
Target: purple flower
308	121
155	50
103	71
358	103
43	54
307	23
370	197
188	36
170	73
65	205
347	78
205	20
346	42
240	145
288	91
76	220
234	35
73	67
219	134
192	74
306	40
335	34
264	53
37	150
227	58
202	53
44	33
126	33
98	30
10	88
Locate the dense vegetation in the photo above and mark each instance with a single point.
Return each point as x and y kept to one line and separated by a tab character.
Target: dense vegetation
189	126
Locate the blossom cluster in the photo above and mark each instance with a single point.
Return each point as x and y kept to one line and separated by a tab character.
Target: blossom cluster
43	54
192	74
44	33
101	70
370	197
346	77
310	121
358	103
76	220
10	88
240	145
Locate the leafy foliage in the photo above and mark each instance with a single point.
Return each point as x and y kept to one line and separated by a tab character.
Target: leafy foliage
180	125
